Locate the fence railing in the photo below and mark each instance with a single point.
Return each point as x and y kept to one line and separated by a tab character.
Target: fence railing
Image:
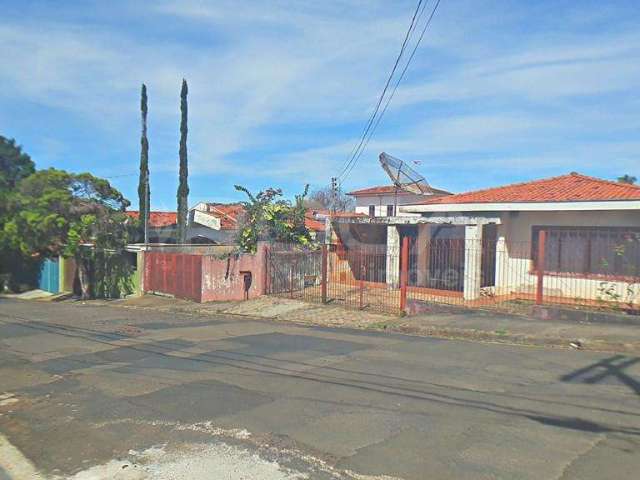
492	273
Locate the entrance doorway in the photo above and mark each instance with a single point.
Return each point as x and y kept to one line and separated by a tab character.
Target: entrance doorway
489	239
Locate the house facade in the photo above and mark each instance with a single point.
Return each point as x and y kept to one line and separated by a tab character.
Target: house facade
215	223
485	243
383	201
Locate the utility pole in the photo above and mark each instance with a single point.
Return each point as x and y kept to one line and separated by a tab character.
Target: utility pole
334	194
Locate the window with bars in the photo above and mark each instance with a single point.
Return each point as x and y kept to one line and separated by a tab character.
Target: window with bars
390	211
372	210
597	251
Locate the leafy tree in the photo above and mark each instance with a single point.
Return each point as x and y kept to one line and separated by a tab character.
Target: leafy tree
144	194
14	166
268	217
325	198
626	178
56	212
183	187
97	243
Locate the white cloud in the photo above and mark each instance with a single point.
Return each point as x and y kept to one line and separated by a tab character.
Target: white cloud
485	89
588	65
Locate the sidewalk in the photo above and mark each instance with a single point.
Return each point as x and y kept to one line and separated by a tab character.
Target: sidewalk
464	324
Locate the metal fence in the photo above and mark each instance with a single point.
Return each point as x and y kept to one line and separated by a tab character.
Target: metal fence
332	274
579	268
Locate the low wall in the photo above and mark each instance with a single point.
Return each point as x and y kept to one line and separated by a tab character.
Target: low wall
206	278
224	279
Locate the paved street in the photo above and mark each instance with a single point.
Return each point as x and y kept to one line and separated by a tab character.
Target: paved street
92	391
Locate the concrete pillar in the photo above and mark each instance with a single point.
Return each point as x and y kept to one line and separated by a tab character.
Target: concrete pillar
140	266
472	261
393	256
328	231
424	235
502	276
61	273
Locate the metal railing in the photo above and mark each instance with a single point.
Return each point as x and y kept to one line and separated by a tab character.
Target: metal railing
495	274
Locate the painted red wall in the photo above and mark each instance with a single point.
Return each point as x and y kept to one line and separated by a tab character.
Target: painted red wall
222	279
176	274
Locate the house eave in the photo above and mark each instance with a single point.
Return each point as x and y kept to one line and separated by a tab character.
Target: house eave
522	206
448	219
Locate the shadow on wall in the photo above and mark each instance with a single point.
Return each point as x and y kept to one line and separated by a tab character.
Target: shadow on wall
18	273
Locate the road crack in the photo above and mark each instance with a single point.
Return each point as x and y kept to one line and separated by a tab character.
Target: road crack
589	449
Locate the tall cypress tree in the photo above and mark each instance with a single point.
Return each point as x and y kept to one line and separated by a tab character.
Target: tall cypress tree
183	187
144	194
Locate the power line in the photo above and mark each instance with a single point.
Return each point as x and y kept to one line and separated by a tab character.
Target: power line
346	173
384	91
356	152
426	26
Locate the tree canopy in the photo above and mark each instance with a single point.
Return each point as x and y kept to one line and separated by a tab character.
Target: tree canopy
144	193
52	212
183	185
327	199
626	178
14	164
269	217
49	203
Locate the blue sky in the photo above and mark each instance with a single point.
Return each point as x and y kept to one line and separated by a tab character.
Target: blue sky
499	91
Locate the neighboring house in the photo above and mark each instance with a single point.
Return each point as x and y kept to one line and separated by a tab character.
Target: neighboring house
226	219
592	236
162	225
216	223
207	223
383	201
315	221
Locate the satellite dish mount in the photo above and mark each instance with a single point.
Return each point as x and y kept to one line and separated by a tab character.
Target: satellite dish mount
404	177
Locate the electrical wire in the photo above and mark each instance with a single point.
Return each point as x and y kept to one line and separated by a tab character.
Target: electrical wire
354	151
347	171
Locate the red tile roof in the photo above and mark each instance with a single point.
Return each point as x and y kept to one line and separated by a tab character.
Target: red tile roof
311	222
573	187
157	219
230	214
390	189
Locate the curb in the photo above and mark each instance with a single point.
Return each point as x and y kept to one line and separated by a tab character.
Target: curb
434	332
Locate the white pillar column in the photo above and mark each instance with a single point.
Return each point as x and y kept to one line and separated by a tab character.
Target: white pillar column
502	277
393	256
472	261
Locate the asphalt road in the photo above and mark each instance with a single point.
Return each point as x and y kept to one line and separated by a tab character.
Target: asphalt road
91	391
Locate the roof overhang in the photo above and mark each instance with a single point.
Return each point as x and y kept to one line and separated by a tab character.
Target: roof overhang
447	219
522	206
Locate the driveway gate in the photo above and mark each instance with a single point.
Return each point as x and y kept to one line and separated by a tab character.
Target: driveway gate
49	276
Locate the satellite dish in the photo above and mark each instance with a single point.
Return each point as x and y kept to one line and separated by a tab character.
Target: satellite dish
404	177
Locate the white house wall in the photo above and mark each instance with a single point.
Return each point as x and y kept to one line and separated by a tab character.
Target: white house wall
381	202
513	259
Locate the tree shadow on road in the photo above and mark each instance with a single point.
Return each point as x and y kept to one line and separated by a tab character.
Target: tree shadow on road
604	370
406	389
